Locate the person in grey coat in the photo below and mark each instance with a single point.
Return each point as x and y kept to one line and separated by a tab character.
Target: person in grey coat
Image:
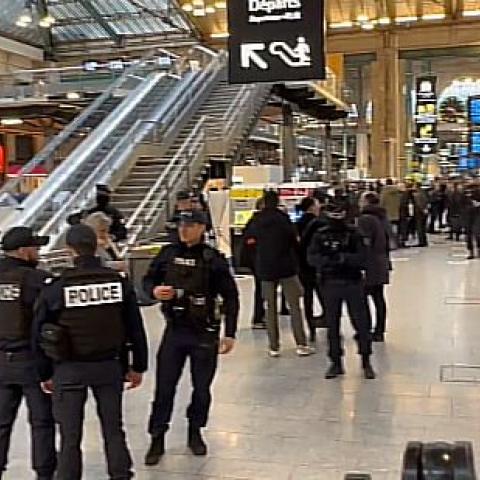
374	226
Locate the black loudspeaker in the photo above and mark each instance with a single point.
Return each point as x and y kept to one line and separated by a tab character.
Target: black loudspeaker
439	461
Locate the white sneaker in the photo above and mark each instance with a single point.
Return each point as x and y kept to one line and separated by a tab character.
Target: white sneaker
305	351
274	353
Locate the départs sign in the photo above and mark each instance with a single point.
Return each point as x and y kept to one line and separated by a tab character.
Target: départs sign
276	40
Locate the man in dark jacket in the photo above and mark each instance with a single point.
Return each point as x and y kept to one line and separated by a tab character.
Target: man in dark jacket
277	263
249	255
20	285
374	226
457	206
307	225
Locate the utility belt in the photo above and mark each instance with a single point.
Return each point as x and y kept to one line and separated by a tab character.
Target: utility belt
13	357
192	311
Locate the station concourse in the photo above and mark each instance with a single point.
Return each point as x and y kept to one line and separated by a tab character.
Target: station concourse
185	164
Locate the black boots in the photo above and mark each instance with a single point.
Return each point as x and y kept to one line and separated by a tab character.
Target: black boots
156	450
336	369
378	337
368	371
196	443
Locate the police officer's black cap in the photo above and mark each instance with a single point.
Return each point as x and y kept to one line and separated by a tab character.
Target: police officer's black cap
192	216
18	237
184	195
81	236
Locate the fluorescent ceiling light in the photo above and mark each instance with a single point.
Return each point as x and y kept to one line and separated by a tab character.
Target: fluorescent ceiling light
471	13
362	18
199	12
198	3
220	35
346	24
406	19
384	21
221	4
73	95
44	23
210	9
368	26
433	16
11	121
187	7
20	24
26	16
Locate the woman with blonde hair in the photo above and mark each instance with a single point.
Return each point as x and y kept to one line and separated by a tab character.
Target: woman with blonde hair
107	250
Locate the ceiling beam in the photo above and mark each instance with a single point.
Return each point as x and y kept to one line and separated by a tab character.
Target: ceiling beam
46	32
97	16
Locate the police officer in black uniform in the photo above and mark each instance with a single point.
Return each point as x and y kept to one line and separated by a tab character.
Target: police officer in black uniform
187	277
118	230
83	322
338	253
20	285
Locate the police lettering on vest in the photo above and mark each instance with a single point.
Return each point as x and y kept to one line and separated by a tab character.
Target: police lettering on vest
10	292
93	294
92	315
15	318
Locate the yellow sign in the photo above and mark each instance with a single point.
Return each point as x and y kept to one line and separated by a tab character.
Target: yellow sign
245	193
242	217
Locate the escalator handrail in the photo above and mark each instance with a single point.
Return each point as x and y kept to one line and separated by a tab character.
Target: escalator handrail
111	162
76	159
49	149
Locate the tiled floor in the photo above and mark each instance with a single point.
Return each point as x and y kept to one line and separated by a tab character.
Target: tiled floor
279	419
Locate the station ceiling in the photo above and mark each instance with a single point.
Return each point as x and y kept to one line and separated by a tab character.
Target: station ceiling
210	15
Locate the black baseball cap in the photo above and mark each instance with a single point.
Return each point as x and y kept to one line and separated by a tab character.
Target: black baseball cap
80	237
18	237
192	216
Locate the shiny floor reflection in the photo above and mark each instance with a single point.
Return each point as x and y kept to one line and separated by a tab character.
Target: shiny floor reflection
278	419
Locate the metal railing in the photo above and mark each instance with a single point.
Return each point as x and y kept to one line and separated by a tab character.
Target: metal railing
192	155
159	127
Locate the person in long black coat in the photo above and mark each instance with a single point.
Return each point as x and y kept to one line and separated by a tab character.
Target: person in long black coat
307	225
374	226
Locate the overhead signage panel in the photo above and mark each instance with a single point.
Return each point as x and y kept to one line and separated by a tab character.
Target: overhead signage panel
276	40
426	116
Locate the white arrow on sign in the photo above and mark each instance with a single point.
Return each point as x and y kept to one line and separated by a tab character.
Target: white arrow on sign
250	56
426	148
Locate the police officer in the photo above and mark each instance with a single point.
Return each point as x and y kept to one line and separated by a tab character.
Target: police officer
184	203
83	321
338	253
187	277
118	230
20	285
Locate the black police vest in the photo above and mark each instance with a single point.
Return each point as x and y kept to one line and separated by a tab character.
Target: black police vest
190	277
15	317
92	313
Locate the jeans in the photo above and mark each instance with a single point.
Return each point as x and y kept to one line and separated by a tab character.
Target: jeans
293	291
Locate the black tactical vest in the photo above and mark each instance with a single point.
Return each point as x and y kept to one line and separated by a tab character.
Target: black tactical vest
92	313
15	317
189	275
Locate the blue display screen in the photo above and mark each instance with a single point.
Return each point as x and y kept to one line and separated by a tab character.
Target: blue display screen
475	143
474	112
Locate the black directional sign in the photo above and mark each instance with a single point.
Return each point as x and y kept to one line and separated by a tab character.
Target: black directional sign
276	40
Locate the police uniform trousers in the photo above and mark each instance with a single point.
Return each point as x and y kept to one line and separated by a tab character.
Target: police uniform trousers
177	345
71	382
335	293
18	379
